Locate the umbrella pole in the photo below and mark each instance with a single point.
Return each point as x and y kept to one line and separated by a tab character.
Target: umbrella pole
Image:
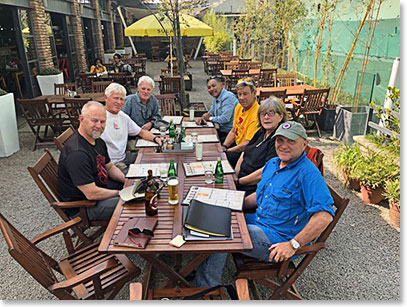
171	56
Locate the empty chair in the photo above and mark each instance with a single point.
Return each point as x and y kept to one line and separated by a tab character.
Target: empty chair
40	117
61	139
100	86
268	77
286	79
86	273
311	103
85	81
123	78
62	88
281	276
73	108
279	94
170	85
168	104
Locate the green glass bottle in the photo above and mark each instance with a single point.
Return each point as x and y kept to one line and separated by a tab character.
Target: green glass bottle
183	135
172	172
172	131
219	172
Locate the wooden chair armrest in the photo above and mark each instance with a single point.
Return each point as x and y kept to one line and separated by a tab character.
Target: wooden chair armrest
242	290
56	230
84	277
312	248
136	291
74	204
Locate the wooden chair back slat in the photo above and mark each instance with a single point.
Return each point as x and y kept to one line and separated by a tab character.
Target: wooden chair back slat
268	77
61	88
286	79
61	139
170	85
85	81
73	108
168	104
35	109
100	86
279	94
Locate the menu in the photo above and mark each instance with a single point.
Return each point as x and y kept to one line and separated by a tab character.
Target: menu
140	170
194	125
198	168
175	119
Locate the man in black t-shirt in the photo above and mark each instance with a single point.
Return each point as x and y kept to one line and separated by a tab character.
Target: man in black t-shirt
85	170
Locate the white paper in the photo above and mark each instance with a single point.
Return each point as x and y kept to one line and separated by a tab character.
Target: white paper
145	143
194	125
176	119
198	168
140	170
208	138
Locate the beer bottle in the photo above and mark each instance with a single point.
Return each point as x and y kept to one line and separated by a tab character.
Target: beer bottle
150	197
172	172
183	135
172	131
219	172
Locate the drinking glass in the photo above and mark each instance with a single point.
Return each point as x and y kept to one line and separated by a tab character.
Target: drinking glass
163	173
173	190
191	114
208	173
198	151
194	137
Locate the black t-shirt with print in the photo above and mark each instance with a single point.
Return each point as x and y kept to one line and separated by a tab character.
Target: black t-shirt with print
81	163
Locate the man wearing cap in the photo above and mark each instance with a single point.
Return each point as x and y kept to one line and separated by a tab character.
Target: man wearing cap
293	204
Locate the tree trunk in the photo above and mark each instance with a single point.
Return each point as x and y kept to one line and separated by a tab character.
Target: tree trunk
180	55
318	47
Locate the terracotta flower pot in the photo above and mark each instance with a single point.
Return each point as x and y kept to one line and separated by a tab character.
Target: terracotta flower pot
352	183
371	195
394	214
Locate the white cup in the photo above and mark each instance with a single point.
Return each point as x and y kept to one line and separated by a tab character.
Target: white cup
194	137
198	151
191	114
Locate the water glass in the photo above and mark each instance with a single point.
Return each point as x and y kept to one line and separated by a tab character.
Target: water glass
198	151
163	173
209	174
194	137
191	114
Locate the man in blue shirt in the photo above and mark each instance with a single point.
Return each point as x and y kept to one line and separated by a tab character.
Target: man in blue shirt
222	109
293	204
142	107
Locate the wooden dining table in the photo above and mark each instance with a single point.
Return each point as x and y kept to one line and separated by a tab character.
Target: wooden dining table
170	222
228	72
295	90
59	99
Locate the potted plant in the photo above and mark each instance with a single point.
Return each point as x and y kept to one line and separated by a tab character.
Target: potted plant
373	170
346	159
47	78
8	125
392	194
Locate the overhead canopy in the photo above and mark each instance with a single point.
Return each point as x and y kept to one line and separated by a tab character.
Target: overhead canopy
149	26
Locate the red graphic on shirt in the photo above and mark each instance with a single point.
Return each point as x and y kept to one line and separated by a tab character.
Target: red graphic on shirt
240	121
102	171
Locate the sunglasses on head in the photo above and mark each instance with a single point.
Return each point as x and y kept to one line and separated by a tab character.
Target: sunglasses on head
136	232
217	78
247	81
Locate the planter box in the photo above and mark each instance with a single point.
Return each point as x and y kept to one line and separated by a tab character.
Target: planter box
349	122
8	126
199	107
47	82
327	119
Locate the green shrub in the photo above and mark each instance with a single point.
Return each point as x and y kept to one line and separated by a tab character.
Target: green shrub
220	41
392	191
2	92
49	71
347	157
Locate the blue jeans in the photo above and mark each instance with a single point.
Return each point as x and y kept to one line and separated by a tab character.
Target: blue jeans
209	272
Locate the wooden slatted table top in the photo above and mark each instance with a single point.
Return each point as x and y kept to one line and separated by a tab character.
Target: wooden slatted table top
170	217
291	90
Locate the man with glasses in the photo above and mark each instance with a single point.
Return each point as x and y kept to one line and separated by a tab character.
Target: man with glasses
245	121
222	108
85	170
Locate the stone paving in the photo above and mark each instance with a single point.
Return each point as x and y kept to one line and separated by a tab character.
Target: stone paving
360	262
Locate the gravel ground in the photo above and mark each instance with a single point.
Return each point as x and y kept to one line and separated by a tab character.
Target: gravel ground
361	260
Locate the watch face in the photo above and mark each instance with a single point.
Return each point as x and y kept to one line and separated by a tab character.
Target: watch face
295	244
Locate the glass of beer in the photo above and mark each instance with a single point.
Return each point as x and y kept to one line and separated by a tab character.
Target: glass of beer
172	190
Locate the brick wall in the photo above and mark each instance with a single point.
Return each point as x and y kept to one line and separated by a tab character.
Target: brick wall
110	28
78	32
41	34
99	35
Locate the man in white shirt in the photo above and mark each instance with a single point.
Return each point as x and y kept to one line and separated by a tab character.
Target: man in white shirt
119	126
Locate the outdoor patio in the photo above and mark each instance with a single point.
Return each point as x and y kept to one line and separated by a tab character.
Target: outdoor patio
360	262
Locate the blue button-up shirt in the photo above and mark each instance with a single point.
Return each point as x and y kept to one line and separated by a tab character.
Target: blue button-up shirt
223	110
288	197
139	112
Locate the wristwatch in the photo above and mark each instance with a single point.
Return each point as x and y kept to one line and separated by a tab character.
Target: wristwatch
210	118
294	244
156	137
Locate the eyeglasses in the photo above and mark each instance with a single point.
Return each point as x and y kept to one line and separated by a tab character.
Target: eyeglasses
247	81
269	114
136	232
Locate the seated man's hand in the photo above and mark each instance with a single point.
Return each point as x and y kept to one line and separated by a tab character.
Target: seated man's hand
198	120
147	126
224	149
281	251
159	141
206	116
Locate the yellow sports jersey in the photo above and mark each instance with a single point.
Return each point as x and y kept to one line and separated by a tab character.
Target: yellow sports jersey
245	123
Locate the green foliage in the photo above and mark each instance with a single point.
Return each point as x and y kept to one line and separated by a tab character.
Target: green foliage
391	119
221	40
49	71
392	191
2	92
386	142
347	157
374	170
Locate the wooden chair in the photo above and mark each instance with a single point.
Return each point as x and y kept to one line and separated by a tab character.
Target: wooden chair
61	139
286	80
231	65
169	104
136	292
311	103
279	94
167	72
122	78
88	273
255	65
170	85
233	79
61	89
155	54
100	86
40	116
85	81
73	108
268	77
281	276
45	174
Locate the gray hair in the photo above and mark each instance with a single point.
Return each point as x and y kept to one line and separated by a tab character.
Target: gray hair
115	88
274	104
86	107
146	79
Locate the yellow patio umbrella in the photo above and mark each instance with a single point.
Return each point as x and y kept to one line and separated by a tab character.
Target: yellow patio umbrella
151	27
